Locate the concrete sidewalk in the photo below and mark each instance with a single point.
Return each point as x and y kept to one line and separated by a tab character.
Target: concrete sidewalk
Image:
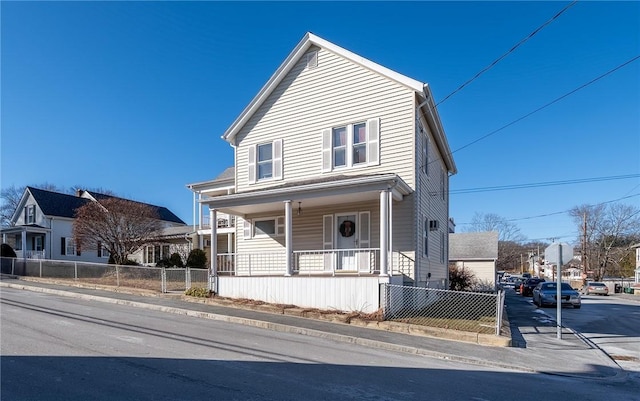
536	348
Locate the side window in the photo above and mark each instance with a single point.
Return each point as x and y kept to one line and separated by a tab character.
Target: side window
426	236
265	161
30	214
359	143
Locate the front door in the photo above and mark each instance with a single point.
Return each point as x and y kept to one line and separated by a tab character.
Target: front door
346	242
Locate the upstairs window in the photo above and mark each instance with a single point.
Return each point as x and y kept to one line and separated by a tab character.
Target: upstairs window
351	145
265	161
30	214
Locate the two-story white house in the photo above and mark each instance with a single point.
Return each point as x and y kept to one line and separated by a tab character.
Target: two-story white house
340	184
42	228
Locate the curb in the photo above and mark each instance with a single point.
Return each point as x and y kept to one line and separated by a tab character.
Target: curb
276	327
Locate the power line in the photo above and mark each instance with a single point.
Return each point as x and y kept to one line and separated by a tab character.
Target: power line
546	105
496	61
541	184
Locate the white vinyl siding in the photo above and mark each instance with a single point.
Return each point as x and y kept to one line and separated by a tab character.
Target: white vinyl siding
335	93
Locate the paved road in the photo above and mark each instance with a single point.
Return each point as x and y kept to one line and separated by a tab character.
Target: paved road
56	348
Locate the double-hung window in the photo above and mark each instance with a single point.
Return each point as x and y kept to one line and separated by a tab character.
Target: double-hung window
68	247
30	214
351	145
265	161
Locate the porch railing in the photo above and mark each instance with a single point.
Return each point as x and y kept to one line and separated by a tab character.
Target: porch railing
31	254
335	261
252	264
223	221
402	264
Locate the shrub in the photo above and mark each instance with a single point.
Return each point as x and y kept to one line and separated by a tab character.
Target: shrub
198	292
176	260
197	258
164	262
7	252
460	279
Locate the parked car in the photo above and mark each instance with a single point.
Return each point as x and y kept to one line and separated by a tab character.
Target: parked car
596	288
545	294
527	287
517	283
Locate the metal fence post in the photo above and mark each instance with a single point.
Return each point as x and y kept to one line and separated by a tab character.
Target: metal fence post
75	270
187	277
163	284
499	310
40	268
117	276
13	266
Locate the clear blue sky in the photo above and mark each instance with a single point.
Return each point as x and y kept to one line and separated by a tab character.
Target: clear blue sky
133	96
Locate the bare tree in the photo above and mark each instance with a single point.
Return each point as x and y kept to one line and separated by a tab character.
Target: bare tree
507	231
607	233
509	238
120	225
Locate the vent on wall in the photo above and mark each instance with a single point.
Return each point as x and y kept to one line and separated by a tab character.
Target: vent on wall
312	60
433	225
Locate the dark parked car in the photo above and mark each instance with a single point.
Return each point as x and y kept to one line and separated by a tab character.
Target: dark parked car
545	294
527	287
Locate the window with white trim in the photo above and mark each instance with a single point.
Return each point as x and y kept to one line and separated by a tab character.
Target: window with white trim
30	214
425	235
103	252
68	247
265	161
351	145
264	227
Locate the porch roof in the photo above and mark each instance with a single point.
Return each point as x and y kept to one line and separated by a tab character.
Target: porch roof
31	228
311	193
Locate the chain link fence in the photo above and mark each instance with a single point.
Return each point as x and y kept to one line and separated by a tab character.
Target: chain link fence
141	277
458	310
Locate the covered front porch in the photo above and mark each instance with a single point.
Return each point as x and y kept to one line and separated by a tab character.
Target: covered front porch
338	227
28	242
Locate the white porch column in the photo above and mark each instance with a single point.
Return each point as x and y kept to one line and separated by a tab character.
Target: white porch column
384	233
229	242
24	244
288	237
390	226
214	243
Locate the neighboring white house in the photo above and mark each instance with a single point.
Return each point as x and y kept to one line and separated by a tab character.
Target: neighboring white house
42	227
340	183
478	252
637	271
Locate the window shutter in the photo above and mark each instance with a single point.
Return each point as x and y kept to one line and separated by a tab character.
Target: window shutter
373	141
279	225
252	164
78	253
277	159
364	229
326	150
63	246
246	229
327	231
99	249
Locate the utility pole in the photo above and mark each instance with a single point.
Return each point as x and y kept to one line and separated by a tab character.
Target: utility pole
584	247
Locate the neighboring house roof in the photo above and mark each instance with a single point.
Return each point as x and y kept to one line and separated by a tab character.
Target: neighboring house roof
309	40
56	204
473	246
227	177
164	213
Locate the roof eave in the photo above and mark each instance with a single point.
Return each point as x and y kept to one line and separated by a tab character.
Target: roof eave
307	41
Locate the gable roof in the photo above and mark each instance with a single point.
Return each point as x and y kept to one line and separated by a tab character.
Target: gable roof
307	41
164	213
423	91
473	246
56	204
